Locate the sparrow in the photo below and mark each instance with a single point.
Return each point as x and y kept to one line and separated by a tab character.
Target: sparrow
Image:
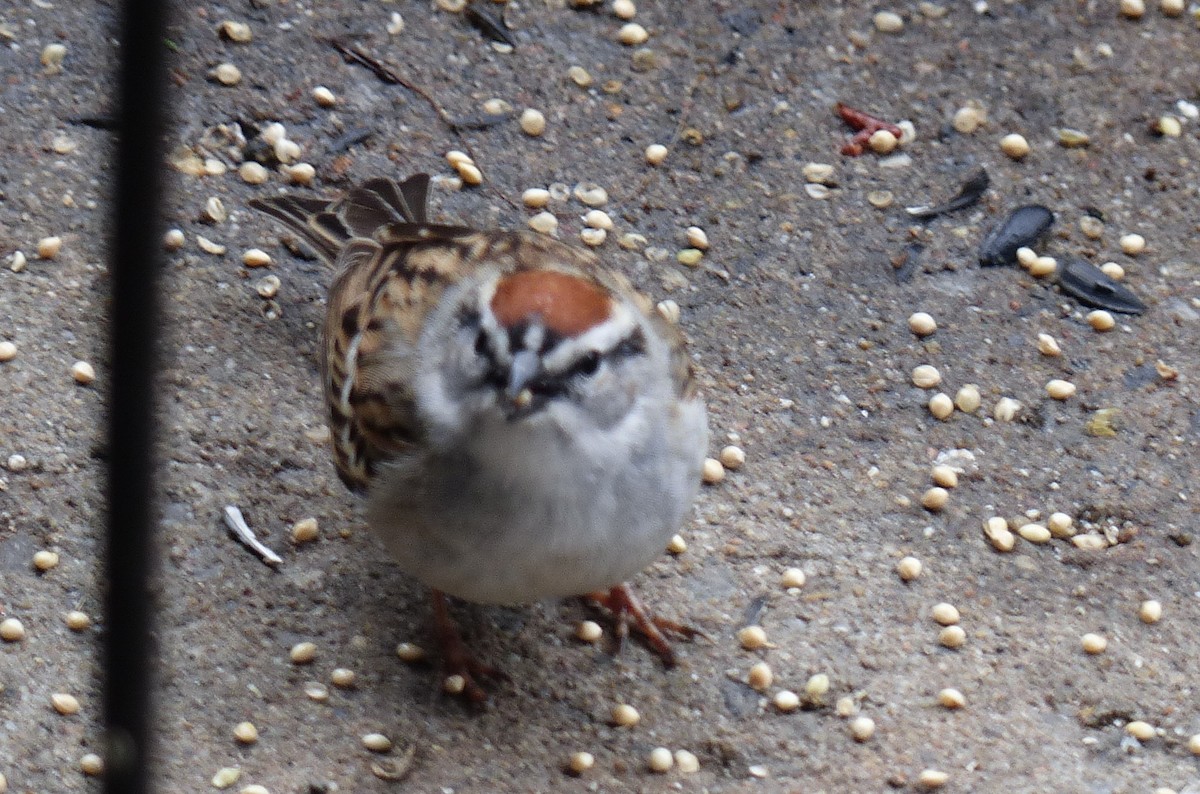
522	423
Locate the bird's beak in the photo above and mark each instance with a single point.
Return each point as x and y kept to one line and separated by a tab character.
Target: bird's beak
524	369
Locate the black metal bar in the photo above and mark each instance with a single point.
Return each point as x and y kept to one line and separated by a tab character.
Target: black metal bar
135	265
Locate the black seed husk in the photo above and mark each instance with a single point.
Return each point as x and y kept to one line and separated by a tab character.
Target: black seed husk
1090	286
1020	229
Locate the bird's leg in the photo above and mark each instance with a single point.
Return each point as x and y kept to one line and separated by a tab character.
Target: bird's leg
456	658
626	609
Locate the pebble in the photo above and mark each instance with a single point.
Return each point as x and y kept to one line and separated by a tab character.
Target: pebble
677	545
1092	227
227	74
697	238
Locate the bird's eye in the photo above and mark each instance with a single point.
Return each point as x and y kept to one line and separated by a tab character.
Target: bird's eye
588	364
481	343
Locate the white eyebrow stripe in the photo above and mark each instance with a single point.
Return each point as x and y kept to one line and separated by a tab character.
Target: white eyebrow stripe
601	338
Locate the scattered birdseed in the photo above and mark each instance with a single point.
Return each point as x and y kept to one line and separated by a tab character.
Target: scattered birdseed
1073	139
173	240
1113	271
83	372
786	700
1172	8
926	376
712	472
1133	9
245	732
952	698
732	457
697	238
941	406
593	238
690	257
1006	409
454	684
632	35
935	498
590	194
932	778
11	630
535	197
1090	542
254	788
77	621
544	222
625	716
952	637
91	764
880	199
470	174
1193	744
944	475
1150	611
753	638
409	652
846	706
818	192
968	399
255	257
1140	730
660	759
235	31
816	687
3	783
1060	389
598	219
533	122
303	652
588	631
268	286
908	568
316	691
377	742
1092	227
818	173
888	22
252	173
1043	266
1132	244
758	771
45	560
921	324
17	262
16	463
1093	643
883	142
945	614
687	762
1034	533
669	311
760	677
677	544
227	74
52	57
792	577
343	678
49	247
581	762
1048	346
968	118
64	704
579	76
862	728
1101	320
1015	146
324	97
655	154
1059	525
209	247
226	777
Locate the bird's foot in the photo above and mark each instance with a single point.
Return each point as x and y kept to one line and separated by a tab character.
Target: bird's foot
463	671
627	610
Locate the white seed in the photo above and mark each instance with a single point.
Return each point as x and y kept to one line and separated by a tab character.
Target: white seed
1034	533
590	194
952	637
786	700
1140	730
697	238
1113	271
255	257
470	174
1006	409
544	222
632	35
944	475
1043	266
625	715
343	678
968	118
254	788
324	97
456	158
1132	244
316	691
846	706
926	376
497	107
91	764
1150	611
299	173
535	197
935	498
921	324
1059	525
1101	320
376	742
686	762
1092	227
209	247
173	240
11	630
932	778
945	614
64	704
15	463
303	652
1014	145
48	247
225	777
227	74
268	287
941	406
454	684
862	728
1060	389
793	577
1172	8
52	57
1047	345
677	545
818	173
732	457
252	173
45	560
624	9
753	638
236	31
409	652
1193	744
690	257
593	237
888	22
581	762
712	472
655	154
77	621
909	568
883	142
660	759
588	631
952	698
395	25
760	677
83	372
1093	643
245	732
1133	9
533	122
817	686
881	199
1090	542
669	311
273	133
579	76
598	219
16	262
1026	257
968	399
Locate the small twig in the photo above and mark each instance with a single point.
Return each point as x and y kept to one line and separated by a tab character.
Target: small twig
866	124
237	525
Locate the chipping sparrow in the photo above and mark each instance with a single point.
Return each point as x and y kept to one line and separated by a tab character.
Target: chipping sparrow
522	423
